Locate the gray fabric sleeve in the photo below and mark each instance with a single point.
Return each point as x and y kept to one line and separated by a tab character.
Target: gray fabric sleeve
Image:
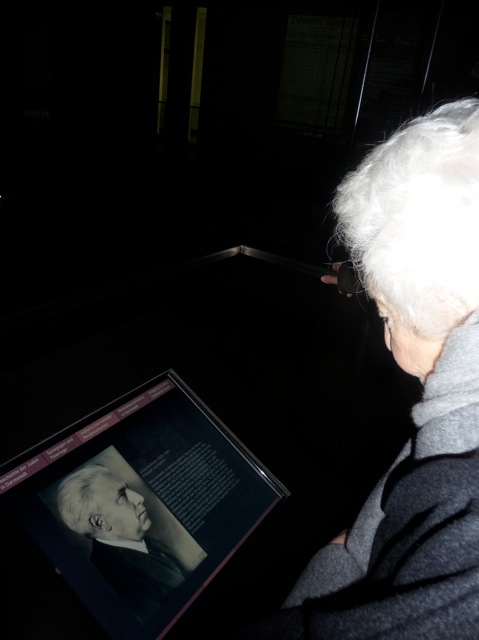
361	535
330	569
335	565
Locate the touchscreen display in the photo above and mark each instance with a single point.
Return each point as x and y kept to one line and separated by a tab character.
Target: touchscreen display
139	505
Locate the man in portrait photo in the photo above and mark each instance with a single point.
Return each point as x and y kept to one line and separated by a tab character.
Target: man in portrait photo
97	502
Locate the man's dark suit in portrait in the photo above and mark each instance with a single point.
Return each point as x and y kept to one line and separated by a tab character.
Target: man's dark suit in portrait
98	504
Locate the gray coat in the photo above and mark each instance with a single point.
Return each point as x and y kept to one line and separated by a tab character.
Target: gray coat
410	567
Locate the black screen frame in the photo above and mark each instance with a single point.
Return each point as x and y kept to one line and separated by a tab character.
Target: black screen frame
243	502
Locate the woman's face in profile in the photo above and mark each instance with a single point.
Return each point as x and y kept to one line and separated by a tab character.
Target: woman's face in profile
415	354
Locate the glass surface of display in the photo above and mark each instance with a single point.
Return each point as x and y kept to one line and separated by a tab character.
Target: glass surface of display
159	465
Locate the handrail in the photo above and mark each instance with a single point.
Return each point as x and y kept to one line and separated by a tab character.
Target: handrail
289	263
58	306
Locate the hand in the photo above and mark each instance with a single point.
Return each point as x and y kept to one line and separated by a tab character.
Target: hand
333	279
340	538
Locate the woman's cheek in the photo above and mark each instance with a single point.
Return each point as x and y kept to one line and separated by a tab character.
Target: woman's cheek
387	337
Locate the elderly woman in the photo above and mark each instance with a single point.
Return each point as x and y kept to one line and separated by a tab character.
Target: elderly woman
408	568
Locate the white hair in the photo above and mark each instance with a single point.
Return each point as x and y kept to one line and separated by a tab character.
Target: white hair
77	500
409	217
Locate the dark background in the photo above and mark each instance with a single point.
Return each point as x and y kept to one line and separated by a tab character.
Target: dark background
112	233
91	192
